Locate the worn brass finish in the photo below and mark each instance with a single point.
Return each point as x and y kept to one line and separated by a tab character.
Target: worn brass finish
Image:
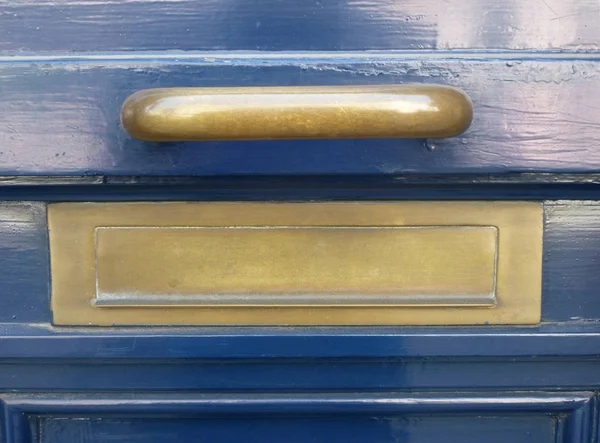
280	113
296	263
295	266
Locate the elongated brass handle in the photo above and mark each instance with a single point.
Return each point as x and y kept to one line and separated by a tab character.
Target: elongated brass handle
286	113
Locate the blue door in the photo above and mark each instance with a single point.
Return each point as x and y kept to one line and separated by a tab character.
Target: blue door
131	312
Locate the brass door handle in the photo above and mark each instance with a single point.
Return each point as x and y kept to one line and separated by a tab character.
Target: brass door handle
287	113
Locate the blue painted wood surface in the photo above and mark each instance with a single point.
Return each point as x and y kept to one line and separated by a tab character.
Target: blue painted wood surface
571	257
533	112
87	363
371	429
24	271
532	417
532	68
561	354
275	25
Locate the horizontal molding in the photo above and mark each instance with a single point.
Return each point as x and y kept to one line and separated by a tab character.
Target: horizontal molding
43	341
180	374
275	58
275	404
49	180
303	181
574	413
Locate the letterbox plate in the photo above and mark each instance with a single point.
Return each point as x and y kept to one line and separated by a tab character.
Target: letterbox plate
360	263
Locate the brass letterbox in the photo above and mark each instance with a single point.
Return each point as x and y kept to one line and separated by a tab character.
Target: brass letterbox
360	263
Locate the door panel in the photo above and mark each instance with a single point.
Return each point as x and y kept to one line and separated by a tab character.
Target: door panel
275	25
383	429
347	417
532	69
571	254
61	117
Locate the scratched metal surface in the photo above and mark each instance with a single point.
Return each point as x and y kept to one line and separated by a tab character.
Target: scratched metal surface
59	115
275	25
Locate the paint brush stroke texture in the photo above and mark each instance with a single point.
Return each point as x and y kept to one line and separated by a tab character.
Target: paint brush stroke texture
279	25
60	116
